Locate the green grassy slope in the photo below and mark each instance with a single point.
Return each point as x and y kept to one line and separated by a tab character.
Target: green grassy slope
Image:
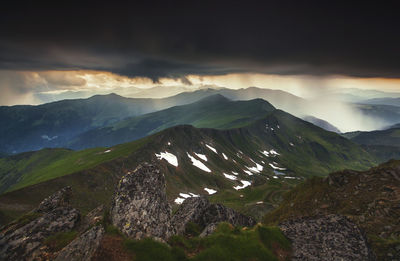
389	137
383	144
214	111
304	149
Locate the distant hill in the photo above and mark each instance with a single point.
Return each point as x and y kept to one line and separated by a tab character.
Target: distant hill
321	123
214	111
389	137
387	115
26	128
384	101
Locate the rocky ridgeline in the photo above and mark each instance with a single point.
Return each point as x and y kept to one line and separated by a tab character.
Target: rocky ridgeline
23	240
139	209
331	237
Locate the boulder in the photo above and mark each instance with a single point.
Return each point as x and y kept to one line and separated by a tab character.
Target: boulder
216	213
139	207
331	237
191	210
83	247
200	211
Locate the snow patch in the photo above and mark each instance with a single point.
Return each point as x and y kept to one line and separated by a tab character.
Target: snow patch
231	177
274	166
225	157
259	202
211	148
171	158
270	153
291	144
248	172
273	152
184	195
210	191
179	200
289	177
198	163
107	151
245	183
253	169
235	173
201	156
169	143
275	177
258	166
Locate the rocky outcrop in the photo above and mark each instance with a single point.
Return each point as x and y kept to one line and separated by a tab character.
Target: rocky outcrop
83	247
140	208
200	211
331	237
191	210
59	199
23	239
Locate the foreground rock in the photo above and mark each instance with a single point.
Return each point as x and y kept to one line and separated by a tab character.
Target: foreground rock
23	240
83	247
200	211
140	208
331	237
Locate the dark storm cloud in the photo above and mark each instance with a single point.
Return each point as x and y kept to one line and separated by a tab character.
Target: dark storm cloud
166	40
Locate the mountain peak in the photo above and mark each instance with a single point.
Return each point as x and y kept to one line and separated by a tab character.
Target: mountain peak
107	96
214	98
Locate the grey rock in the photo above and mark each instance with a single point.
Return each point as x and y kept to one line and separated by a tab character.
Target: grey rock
60	198
199	210
83	247
191	210
140	208
24	241
219	213
92	218
331	237
208	230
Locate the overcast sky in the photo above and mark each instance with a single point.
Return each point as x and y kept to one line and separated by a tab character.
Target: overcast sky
95	48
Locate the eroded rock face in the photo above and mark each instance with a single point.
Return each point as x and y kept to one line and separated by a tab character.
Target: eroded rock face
331	237
191	210
83	247
23	240
59	199
200	211
140	208
216	213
